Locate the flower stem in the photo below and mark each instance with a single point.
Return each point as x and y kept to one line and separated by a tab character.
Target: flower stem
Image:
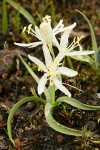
51	51
53	93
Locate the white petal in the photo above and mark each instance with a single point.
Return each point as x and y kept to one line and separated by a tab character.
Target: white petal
59	57
56	43
46	32
24	45
79	53
64	39
66	28
65	36
57	60
62	88
47	56
60	24
71	26
42	83
66	71
38	34
38	62
35	44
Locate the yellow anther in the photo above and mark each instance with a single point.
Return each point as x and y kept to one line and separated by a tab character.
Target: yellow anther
24	29
74	40
47	18
29	28
40	69
98	120
77	40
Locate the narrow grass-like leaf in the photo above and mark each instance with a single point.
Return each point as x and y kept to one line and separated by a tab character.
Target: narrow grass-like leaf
35	77
57	126
77	103
4	18
24	12
84	58
94	43
14	109
61	128
53	15
46	6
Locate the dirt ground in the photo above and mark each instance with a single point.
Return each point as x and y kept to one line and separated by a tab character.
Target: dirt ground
29	127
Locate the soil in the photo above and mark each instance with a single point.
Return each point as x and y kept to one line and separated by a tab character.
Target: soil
29	127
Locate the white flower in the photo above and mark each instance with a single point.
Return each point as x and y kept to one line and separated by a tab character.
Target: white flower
51	70
45	34
69	49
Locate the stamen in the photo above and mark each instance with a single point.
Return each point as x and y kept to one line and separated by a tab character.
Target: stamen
47	18
74	40
24	29
40	69
77	40
29	28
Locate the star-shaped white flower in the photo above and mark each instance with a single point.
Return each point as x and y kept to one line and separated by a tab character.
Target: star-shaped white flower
45	33
69	49
51	70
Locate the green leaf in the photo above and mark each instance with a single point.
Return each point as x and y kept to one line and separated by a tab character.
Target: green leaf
94	42
77	103
15	107
57	126
4	18
61	128
84	58
24	12
29	69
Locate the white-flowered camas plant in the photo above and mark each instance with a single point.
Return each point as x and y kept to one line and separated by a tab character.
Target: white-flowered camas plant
52	71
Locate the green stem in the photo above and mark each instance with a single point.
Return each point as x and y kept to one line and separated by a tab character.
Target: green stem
70	63
53	93
71	66
15	107
51	51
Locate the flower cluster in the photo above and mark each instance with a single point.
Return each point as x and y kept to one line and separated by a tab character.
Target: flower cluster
53	67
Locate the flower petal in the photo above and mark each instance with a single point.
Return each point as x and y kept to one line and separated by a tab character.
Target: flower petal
47	56
79	53
66	71
46	32
71	26
62	88
59	25
38	34
35	44
38	62
66	28
59	57
24	45
42	83
56	43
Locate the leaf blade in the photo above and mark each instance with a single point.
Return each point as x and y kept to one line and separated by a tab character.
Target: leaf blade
24	12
